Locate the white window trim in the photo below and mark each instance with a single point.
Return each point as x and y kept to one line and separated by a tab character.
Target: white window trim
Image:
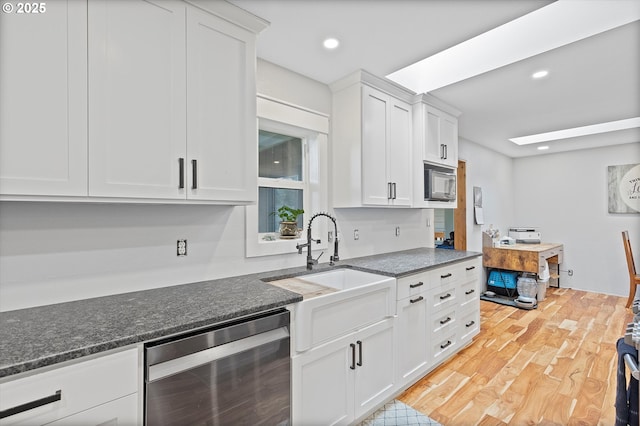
312	127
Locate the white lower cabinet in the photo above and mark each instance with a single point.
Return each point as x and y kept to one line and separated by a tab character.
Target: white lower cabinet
122	411
340	381
438	314
412	346
99	391
343	380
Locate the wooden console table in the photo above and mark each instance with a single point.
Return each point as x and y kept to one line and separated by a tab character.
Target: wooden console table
525	258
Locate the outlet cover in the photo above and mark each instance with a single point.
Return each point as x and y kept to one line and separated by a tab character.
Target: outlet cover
182	248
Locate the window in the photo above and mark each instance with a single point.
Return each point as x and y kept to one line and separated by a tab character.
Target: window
281	179
292	164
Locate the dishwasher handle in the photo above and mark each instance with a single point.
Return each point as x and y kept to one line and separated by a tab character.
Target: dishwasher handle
216	335
176	365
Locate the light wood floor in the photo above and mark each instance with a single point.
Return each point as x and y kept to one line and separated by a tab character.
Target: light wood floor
555	365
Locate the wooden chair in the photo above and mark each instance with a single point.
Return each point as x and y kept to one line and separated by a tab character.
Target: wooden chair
634	278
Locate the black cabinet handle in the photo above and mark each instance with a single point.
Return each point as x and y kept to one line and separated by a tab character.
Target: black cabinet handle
445	276
394	191
389	190
353	356
446	152
359	343
418	284
446	320
31	405
470	268
469	324
446	296
181	164
446	344
194	171
416	300
469	292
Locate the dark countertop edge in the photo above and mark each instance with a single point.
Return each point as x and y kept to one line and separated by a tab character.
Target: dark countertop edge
60	357
33	364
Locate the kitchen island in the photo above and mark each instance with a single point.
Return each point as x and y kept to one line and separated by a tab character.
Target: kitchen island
44	336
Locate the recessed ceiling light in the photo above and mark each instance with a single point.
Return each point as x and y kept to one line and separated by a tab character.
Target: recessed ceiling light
540	74
543	147
612	126
331	43
276	162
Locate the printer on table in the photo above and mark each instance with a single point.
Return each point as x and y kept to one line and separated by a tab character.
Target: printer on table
527	235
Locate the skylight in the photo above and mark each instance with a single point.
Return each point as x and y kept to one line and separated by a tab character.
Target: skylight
593	129
549	27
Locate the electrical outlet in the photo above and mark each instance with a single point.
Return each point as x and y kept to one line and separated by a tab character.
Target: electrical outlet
397	231
182	247
330	236
356	234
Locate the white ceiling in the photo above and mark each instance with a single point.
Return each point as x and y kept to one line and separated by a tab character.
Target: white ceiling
593	80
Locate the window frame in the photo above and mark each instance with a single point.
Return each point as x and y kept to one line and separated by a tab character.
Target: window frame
312	128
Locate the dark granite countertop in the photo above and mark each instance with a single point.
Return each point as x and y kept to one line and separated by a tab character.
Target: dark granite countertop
42	336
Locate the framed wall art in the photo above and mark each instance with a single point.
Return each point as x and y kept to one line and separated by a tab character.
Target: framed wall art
623	184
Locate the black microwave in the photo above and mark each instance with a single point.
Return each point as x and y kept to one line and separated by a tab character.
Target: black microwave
439	183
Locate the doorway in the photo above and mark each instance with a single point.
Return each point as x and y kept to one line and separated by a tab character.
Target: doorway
447	221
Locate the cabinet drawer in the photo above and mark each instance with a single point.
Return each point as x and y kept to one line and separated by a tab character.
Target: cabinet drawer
469	325
412	285
122	411
471	270
444	276
469	294
443	322
81	386
442	297
444	346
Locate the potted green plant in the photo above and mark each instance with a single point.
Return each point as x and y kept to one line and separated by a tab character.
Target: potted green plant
288	221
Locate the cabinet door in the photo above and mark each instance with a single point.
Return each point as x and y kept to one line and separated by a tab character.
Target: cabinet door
322	385
374	373
43	101
399	152
449	138
413	336
221	110
375	182
137	101
440	137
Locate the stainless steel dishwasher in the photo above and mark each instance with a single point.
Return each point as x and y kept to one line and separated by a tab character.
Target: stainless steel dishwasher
235	373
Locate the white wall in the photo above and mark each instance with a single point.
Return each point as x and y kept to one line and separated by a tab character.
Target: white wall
56	252
565	195
493	172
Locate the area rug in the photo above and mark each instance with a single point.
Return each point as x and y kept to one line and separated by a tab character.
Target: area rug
395	413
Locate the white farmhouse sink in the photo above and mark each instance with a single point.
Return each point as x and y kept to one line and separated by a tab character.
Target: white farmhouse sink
343	279
336	303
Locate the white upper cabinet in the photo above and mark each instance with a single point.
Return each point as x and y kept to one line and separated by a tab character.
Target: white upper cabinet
372	142
171	103
137	98
43	93
435	141
150	100
436	131
221	109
